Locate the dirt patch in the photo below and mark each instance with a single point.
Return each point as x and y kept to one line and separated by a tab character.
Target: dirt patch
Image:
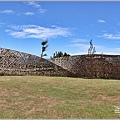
109	98
2	101
42	105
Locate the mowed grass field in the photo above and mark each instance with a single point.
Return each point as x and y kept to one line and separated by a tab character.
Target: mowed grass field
58	97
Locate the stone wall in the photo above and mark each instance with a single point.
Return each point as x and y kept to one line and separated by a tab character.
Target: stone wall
18	63
91	66
86	66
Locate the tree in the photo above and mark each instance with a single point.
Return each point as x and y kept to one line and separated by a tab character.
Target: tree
65	54
59	54
44	47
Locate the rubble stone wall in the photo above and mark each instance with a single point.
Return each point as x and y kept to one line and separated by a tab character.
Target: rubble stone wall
91	66
86	66
18	63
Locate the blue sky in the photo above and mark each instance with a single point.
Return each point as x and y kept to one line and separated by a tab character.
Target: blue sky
68	26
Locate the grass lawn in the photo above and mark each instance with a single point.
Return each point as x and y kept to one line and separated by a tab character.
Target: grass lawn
58	97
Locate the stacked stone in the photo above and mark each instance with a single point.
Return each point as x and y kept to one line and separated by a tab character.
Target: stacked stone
18	63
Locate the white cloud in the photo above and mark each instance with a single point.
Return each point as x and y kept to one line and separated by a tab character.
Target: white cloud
18	34
29	13
111	36
39	8
34	31
42	11
101	21
7	12
34	4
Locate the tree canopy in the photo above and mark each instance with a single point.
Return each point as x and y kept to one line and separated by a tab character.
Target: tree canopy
44	47
60	54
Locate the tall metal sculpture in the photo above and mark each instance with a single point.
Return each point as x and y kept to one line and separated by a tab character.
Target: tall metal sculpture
91	49
94	51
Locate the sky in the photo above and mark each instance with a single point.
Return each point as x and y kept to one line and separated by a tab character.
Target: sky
68	27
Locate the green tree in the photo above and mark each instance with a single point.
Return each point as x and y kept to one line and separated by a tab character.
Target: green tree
59	54
65	54
44	47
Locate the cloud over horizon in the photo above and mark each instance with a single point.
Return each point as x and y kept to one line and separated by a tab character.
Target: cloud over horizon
38	32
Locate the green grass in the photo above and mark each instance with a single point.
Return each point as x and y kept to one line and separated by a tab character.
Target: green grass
58	97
